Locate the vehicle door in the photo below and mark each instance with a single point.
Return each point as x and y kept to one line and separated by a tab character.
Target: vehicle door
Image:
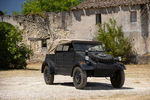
68	58
59	59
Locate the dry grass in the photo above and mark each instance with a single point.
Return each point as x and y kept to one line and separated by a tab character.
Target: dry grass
138	71
29	71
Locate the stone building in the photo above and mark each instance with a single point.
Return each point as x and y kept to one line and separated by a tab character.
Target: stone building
81	23
133	15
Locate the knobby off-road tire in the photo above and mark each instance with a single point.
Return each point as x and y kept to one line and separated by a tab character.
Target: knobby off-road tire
49	78
118	79
79	78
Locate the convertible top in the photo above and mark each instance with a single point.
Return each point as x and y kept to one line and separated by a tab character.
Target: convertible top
66	41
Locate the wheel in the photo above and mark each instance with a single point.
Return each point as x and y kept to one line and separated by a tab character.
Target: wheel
79	78
49	78
118	79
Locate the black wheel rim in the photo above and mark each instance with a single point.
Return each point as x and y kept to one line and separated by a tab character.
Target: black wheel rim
77	77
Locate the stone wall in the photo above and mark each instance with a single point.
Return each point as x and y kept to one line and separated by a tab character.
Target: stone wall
36	28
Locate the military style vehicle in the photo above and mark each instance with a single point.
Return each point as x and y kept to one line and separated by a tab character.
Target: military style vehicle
81	59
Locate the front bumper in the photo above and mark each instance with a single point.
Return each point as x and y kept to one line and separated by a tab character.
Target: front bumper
102	69
106	70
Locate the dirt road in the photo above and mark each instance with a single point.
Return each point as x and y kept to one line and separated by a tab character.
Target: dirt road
29	85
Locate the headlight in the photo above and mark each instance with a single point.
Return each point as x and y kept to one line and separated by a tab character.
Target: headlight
119	58
86	57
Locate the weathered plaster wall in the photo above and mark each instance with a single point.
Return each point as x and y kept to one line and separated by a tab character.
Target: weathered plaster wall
148	35
83	26
137	32
132	30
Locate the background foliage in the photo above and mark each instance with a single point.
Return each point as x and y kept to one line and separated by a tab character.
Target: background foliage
112	37
13	53
40	6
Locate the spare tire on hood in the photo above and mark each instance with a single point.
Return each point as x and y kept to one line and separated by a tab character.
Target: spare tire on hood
102	57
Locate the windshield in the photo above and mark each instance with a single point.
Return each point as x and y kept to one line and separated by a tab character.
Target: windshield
89	47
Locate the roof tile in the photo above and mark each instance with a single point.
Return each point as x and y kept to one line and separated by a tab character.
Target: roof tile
87	4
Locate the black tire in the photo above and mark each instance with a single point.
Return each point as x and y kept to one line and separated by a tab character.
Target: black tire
79	78
118	79
49	78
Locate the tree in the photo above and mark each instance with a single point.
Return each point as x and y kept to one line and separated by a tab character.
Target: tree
13	53
40	6
5	12
112	37
2	13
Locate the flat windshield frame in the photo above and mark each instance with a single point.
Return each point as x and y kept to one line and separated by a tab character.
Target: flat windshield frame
91	47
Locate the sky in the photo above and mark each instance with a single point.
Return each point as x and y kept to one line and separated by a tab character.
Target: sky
11	5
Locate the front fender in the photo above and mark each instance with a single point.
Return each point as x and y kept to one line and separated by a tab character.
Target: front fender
122	67
85	66
50	65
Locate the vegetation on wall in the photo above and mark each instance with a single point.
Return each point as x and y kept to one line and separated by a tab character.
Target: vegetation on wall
113	38
14	13
40	6
13	53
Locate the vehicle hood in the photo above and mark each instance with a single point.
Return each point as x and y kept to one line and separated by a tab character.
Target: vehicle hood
98	57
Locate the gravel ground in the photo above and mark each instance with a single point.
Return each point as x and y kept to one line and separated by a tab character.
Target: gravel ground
29	85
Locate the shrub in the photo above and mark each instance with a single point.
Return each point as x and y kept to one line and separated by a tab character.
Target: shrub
13	53
112	37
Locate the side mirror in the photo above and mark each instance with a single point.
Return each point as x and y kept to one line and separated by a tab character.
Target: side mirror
108	49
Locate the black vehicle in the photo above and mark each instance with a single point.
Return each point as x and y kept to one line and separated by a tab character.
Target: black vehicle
82	59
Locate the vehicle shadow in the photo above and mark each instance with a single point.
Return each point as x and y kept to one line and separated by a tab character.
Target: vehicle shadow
95	86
